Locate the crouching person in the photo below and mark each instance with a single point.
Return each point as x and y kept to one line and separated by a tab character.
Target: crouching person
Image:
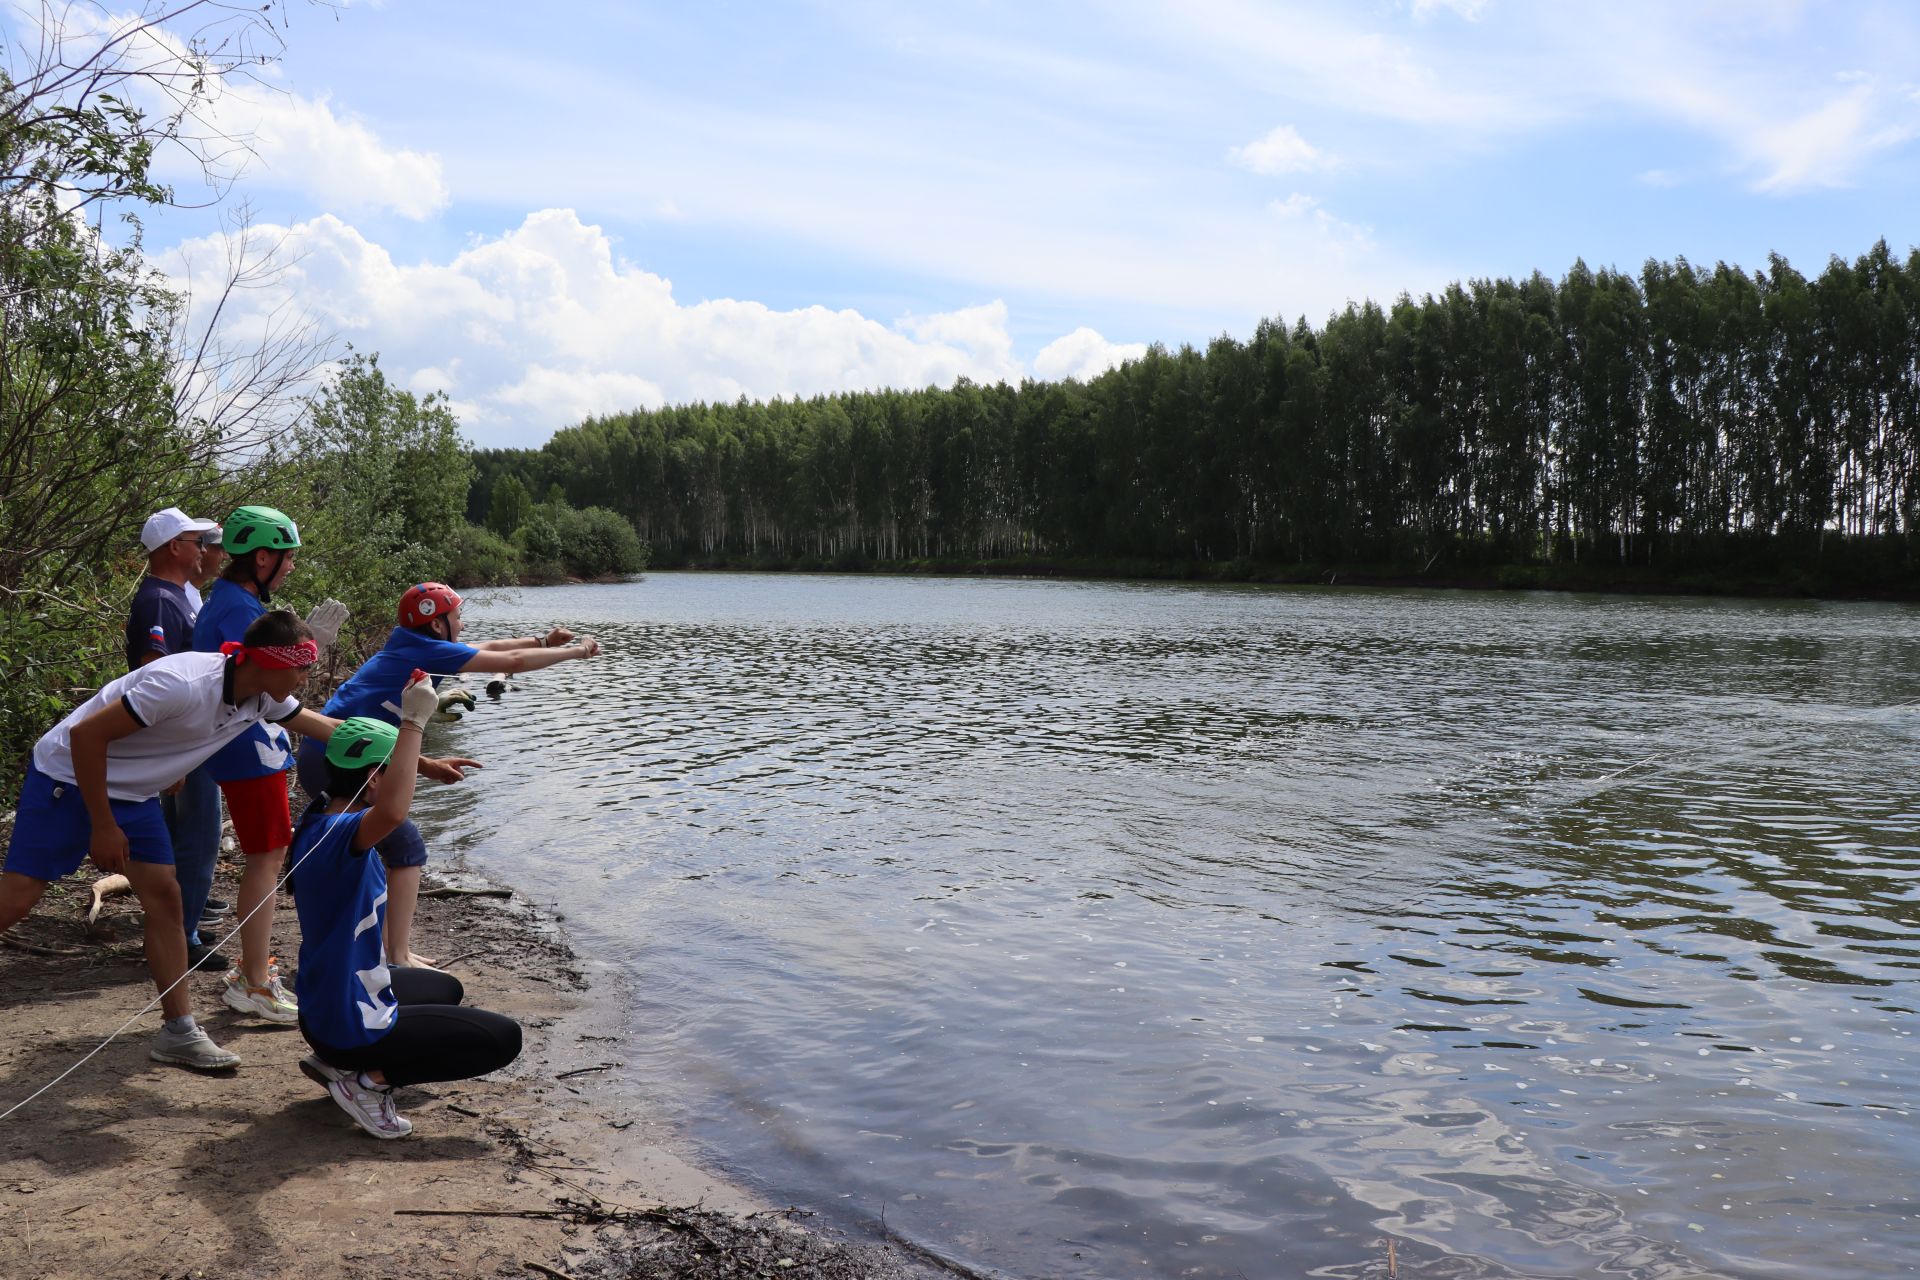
375	1027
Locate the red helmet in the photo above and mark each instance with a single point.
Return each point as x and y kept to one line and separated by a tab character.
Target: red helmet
425	601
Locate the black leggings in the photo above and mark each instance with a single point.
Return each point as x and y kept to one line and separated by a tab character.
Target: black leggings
432	1037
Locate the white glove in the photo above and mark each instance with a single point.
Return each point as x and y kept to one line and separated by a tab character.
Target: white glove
325	620
418	702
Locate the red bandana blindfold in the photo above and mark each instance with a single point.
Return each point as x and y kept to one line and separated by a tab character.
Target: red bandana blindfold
273	657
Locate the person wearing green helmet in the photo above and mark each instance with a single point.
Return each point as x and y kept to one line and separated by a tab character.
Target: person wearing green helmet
262	544
428	638
374	1025
253	530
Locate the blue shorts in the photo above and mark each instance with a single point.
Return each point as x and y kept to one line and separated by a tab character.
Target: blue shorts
51	829
404	846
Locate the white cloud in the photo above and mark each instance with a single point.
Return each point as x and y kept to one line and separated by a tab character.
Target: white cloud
534	329
1318	231
1336	61
1467	10
1280	151
1825	146
301	144
981	330
545	392
1751	81
1083	355
1778	127
272	137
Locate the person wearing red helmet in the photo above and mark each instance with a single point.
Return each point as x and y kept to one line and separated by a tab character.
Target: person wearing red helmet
427	639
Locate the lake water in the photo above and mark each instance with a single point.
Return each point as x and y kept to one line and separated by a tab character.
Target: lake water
1100	929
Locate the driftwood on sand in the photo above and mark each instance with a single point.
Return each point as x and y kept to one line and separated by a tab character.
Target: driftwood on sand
104	888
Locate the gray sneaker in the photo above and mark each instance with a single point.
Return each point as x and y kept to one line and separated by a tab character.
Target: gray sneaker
194	1049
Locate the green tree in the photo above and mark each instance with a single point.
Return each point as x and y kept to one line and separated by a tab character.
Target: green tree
98	386
377	479
507	508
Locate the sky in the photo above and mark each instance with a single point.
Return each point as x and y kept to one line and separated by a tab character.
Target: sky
547	212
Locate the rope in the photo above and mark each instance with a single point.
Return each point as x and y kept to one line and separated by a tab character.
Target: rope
191	969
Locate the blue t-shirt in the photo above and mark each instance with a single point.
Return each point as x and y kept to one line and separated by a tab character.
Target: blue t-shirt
344	988
159	622
375	689
264	749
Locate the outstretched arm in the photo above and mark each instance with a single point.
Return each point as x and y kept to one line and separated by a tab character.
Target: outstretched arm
311	724
552	640
519	661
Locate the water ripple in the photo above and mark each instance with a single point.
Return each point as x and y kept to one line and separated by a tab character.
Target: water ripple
1100	928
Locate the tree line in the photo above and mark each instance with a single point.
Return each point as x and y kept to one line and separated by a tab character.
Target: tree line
1685	415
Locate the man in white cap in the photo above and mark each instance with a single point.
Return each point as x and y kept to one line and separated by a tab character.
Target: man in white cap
161	620
159	623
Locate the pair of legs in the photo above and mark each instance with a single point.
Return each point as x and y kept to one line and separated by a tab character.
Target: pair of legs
404	852
193	824
263	825
51	834
433	1037
166	938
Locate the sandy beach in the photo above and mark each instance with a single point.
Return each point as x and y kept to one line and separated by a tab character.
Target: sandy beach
132	1168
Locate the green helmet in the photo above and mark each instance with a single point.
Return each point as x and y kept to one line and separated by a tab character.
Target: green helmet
254	528
361	741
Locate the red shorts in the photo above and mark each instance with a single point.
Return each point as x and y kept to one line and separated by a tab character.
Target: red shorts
262	819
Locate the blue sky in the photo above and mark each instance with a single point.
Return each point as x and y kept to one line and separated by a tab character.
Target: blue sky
584	208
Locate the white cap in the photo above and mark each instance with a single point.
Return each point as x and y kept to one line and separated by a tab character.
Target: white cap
163	527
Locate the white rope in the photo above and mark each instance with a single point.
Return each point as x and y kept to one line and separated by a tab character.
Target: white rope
191	969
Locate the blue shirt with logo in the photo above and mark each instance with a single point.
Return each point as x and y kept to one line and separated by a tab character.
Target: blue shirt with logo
344	988
159	622
374	690
227	613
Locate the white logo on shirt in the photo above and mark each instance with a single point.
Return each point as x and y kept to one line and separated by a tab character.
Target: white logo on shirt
374	1015
275	753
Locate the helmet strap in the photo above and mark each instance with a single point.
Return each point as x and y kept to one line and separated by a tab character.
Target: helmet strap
260	583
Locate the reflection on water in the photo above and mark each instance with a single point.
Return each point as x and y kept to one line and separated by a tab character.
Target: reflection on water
1100	929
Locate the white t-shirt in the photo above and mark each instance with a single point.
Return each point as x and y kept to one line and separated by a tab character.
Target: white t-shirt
193	599
182	703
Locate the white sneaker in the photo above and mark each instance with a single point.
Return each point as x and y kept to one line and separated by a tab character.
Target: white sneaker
272	1002
194	1049
372	1109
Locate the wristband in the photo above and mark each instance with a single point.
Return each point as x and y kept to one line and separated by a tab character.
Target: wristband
541	641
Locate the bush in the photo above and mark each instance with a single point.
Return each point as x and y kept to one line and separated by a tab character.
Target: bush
559	541
55	650
600	542
482	558
541	546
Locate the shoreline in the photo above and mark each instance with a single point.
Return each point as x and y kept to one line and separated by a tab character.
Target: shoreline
130	1167
1568	579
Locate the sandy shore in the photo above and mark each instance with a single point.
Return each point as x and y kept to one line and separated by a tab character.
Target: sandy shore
132	1168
